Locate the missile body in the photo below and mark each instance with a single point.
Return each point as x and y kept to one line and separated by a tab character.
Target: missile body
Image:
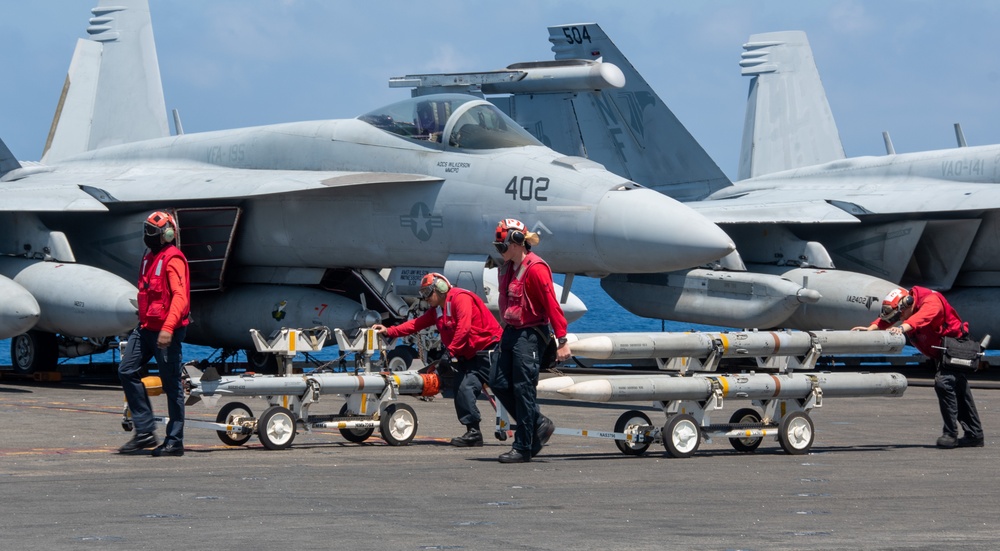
750	386
631	346
75	299
408	382
225	319
19	311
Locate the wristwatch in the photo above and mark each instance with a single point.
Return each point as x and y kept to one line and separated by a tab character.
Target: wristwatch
561	341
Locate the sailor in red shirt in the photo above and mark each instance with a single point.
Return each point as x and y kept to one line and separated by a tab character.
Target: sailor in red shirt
534	332
470	334
164	307
925	317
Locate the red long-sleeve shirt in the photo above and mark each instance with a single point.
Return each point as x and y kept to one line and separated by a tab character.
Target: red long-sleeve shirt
932	319
464	322
540	293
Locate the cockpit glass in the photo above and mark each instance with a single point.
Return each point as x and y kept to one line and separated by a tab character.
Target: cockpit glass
424	118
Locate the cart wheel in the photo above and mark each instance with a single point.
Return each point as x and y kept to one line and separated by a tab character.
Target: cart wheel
127	424
229	413
796	433
628	423
354	435
500	435
400	358
681	435
398	425
276	428
745	416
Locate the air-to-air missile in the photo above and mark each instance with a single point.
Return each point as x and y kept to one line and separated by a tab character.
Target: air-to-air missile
96	303
407	382
630	346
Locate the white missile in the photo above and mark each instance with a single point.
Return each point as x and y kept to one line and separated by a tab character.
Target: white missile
407	382
19	311
631	346
750	386
75	299
534	77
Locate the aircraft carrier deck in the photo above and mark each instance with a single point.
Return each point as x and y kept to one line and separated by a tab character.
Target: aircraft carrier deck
873	480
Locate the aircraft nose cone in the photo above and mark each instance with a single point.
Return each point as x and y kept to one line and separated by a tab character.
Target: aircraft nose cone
642	231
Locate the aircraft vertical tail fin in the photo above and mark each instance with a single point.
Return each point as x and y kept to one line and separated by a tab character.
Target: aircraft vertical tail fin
788	122
112	94
7	160
629	130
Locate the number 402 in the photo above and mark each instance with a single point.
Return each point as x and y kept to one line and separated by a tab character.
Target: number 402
527	188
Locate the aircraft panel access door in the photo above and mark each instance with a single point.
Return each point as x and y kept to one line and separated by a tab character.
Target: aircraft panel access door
206	239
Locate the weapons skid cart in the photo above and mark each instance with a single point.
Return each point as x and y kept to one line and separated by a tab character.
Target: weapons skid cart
371	396
693	390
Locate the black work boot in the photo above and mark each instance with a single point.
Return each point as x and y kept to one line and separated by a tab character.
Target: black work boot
473	438
947	441
969	441
141	441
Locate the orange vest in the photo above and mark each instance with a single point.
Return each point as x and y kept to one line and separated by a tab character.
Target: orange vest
154	290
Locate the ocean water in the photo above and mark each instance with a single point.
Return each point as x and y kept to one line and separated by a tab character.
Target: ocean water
603	315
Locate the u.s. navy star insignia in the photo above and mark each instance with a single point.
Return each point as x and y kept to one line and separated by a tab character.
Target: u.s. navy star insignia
421	221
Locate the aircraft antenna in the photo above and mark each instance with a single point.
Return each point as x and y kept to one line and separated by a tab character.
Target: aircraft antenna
889	150
959	135
178	127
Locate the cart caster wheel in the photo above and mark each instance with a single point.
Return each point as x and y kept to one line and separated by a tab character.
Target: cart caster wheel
398	425
740	417
681	436
276	428
127	426
628	423
354	435
796	433
233	411
500	435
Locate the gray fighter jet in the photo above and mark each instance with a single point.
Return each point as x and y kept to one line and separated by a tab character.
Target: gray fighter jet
289	224
820	238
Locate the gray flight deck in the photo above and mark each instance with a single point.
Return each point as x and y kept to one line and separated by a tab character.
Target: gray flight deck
873	480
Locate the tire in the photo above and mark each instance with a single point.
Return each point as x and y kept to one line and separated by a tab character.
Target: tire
399	358
33	352
744	416
354	435
226	415
796	433
681	436
276	428
398	425
631	419
261	362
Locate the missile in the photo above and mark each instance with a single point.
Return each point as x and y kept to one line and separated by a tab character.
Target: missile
731	299
631	346
526	78
19	311
750	386
75	299
407	382
552	385
224	319
405	280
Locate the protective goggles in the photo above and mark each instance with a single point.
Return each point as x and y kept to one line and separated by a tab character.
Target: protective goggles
152	230
425	292
500	246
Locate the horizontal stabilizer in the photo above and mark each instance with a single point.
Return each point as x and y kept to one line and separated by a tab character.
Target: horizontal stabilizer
802	212
7	160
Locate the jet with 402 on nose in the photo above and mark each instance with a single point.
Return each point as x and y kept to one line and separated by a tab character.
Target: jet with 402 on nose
287	225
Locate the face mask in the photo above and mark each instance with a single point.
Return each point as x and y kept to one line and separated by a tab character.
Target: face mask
153	242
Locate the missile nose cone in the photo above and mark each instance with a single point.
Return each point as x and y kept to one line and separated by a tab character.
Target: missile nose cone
643	231
598	390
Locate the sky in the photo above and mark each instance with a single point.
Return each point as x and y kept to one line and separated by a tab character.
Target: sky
913	68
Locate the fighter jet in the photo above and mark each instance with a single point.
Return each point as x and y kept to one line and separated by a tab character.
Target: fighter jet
817	246
289	224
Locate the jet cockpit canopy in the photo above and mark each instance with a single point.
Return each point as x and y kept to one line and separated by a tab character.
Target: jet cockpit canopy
468	122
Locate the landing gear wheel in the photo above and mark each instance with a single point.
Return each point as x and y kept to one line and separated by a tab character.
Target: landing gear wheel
354	435
399	358
745	416
261	362
627	423
276	428
229	413
398	425
33	352
681	436
796	433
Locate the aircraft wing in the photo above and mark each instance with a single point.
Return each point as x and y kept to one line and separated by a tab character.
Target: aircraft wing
88	190
735	211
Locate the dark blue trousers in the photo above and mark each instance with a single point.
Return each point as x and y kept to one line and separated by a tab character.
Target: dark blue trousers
514	379
470	376
141	347
957	405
